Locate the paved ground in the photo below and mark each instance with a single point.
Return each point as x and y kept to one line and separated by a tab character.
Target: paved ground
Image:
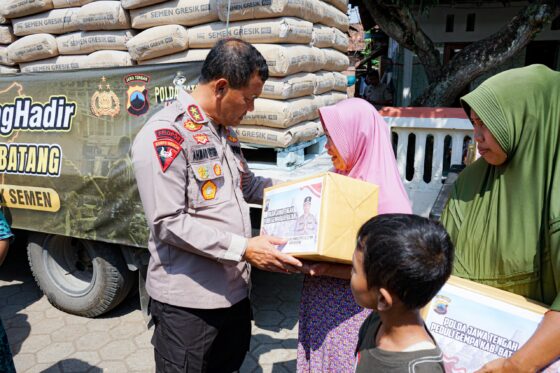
44	339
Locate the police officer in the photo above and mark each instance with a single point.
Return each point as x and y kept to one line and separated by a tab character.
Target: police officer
195	185
307	223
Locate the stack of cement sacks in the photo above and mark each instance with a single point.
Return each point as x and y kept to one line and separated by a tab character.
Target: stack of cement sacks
303	41
55	35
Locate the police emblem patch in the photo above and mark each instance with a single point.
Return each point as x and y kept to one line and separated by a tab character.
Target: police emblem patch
137	102
209	190
202	172
191	126
217	169
195	113
166	151
201	138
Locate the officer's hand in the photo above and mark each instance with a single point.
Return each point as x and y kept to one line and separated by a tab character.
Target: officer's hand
262	253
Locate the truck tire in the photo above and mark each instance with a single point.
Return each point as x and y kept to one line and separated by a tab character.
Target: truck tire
81	277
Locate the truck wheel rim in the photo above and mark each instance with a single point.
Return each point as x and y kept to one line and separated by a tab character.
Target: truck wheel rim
69	265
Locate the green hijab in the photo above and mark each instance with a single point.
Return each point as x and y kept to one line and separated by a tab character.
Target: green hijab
505	220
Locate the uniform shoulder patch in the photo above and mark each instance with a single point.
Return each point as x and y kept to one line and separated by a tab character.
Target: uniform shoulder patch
169	134
166	152
191	126
195	113
201	138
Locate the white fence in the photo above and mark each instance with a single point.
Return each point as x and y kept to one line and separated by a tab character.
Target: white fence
428	141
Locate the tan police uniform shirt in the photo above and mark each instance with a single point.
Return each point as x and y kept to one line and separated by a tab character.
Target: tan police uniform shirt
195	184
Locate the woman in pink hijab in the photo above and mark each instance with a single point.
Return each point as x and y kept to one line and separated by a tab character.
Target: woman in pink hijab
359	143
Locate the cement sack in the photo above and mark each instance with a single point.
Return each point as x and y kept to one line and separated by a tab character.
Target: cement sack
103	15
33	48
85	42
8	70
3	21
6	34
324	82
4	59
191	55
279	138
309	10
341	41
286	59
292	86
104	59
340	82
330	98
341	5
334	17
56	21
335	60
70	3
323	36
282	114
60	63
21	8
176	12
280	30
158	41
133	4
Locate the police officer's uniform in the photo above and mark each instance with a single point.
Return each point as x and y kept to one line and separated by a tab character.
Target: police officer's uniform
194	183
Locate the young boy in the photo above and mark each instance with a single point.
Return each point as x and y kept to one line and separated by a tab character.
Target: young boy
400	263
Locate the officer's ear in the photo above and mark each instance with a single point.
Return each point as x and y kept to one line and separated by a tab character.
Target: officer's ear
220	88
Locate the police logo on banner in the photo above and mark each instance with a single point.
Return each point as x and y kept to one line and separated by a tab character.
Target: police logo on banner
137	102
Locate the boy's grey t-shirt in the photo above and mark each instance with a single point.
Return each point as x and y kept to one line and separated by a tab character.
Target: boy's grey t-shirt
369	358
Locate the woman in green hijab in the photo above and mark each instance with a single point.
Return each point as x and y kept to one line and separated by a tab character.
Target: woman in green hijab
504	211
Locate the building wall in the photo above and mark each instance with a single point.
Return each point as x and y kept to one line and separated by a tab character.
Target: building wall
489	18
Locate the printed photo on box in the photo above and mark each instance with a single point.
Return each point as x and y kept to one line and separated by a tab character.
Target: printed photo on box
293	214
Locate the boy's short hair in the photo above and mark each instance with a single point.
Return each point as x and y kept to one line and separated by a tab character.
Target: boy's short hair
410	256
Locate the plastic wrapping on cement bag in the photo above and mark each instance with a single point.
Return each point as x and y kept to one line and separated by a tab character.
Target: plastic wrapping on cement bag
282	114
103	15
280	30
33	48
176	12
56	21
292	86
280	138
85	42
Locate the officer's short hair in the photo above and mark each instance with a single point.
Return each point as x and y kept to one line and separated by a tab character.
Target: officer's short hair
409	255
234	60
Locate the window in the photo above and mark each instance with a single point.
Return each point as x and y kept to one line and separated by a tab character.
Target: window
449	23
470	21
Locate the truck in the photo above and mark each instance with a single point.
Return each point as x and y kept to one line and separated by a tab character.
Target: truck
67	183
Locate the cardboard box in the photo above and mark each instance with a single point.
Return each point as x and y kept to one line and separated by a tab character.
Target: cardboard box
474	324
319	215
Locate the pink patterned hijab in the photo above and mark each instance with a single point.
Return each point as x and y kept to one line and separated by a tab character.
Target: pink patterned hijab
363	140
